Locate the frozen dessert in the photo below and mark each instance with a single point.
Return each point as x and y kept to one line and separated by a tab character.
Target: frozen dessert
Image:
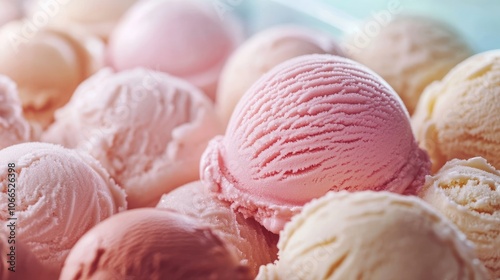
372	235
262	52
458	116
468	193
410	52
14	128
151	244
253	245
313	124
148	129
59	195
184	38
17	262
47	66
9	10
98	17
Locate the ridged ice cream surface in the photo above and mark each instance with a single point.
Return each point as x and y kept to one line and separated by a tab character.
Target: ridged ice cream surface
147	128
151	244
261	53
60	194
457	117
468	193
410	52
254	246
372	235
313	124
14	128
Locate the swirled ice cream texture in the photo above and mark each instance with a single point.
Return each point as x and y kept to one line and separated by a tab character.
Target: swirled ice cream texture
311	125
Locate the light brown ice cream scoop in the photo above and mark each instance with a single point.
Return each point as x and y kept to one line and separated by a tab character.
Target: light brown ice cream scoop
468	193
151	244
372	235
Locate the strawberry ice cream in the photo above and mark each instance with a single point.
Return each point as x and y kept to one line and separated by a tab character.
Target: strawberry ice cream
313	124
13	127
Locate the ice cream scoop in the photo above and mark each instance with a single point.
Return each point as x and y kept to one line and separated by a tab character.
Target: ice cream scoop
147	128
98	17
261	53
14	128
151	244
410	52
313	124
468	193
9	10
59	194
184	38
254	246
457	117
375	235
19	263
47	66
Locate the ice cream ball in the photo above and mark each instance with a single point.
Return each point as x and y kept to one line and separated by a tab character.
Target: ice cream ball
47	66
261	53
9	10
14	128
409	52
372	235
457	117
152	244
98	17
147	128
184	38
56	195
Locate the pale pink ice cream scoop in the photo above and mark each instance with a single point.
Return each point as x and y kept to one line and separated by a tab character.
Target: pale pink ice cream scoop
148	129
59	195
184	38
14	128
151	244
9	10
313	124
254	246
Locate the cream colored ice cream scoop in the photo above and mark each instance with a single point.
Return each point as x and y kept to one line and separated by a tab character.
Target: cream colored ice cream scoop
468	193
372	235
458	116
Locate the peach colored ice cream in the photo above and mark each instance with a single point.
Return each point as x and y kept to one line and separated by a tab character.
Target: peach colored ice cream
411	52
313	124
59	195
468	193
151	244
14	128
147	128
253	245
457	117
184	38
47	67
262	52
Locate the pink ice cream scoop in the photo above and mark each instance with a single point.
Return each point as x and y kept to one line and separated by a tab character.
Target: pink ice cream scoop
313	124
184	38
151	244
9	10
13	126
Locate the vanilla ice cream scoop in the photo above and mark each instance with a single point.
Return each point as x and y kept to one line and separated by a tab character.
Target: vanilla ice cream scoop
254	246
458	116
14	128
59	195
47	66
152	244
410	52
147	128
375	235
313	124
468	193
262	52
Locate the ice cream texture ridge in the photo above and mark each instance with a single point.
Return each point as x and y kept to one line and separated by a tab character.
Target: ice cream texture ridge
313	124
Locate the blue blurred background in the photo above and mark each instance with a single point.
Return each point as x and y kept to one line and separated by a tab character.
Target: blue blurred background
478	21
